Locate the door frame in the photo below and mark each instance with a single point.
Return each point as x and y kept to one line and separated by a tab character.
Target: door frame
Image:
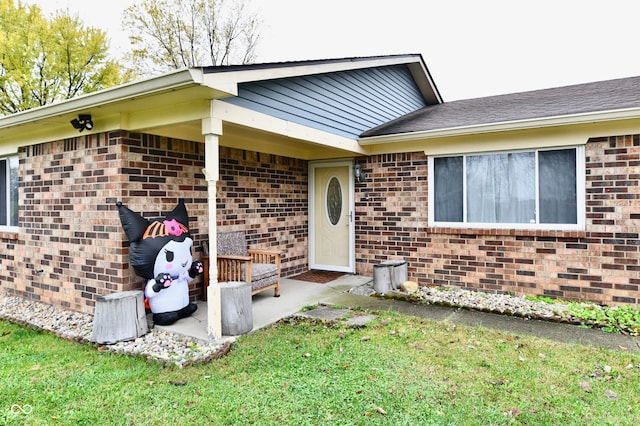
313	165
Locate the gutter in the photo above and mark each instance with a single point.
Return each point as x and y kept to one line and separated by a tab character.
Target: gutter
536	123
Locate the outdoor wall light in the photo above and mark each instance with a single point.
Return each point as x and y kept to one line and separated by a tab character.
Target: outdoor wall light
82	122
358	173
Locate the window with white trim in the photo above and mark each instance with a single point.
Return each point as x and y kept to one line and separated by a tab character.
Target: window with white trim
8	193
533	189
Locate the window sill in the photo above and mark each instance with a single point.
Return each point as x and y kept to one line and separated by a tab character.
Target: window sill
508	232
8	235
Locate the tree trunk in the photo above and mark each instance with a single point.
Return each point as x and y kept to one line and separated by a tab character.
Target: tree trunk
119	317
236	308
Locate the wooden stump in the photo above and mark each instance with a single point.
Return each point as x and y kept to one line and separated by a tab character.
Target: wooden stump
119	317
235	307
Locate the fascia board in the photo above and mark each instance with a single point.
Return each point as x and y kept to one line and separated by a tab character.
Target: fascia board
285	70
567	120
425	83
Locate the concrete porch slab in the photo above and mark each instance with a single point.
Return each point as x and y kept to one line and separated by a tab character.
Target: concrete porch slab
294	295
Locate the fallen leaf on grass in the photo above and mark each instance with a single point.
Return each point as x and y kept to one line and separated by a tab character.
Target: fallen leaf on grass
380	410
178	382
611	394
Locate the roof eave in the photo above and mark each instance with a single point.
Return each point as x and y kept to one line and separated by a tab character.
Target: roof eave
536	123
270	71
166	82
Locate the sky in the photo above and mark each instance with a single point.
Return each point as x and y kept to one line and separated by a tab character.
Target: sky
472	48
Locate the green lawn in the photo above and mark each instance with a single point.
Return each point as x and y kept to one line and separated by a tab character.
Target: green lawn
397	370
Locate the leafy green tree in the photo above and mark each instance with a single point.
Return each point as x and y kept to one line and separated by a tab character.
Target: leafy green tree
173	34
47	60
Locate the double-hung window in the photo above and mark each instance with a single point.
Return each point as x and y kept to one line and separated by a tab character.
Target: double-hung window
533	189
9	193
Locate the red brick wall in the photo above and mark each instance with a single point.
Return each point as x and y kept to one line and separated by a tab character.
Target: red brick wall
266	195
600	264
71	248
154	173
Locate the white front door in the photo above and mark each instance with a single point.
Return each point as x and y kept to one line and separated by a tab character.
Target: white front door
331	216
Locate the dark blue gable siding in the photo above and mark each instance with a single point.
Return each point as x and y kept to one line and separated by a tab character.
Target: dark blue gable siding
345	103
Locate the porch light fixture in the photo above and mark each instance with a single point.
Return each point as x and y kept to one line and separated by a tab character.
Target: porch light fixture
82	122
358	174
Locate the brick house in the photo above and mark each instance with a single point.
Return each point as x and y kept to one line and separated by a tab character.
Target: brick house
529	193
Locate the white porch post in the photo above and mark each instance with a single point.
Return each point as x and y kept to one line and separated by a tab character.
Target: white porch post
212	129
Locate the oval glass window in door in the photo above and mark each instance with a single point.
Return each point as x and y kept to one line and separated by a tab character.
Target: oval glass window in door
334	200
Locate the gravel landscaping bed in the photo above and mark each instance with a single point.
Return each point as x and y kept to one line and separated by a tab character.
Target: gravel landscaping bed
497	303
170	348
515	305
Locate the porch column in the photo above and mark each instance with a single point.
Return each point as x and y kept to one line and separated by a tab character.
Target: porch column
212	129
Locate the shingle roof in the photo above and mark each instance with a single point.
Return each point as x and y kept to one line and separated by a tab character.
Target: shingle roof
610	95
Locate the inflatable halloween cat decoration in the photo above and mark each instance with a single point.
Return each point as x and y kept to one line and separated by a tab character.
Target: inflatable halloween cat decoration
161	251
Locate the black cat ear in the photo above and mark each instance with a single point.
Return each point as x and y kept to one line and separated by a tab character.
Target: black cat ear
134	225
180	214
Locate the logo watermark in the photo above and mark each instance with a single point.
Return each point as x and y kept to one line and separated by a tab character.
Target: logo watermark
18	409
